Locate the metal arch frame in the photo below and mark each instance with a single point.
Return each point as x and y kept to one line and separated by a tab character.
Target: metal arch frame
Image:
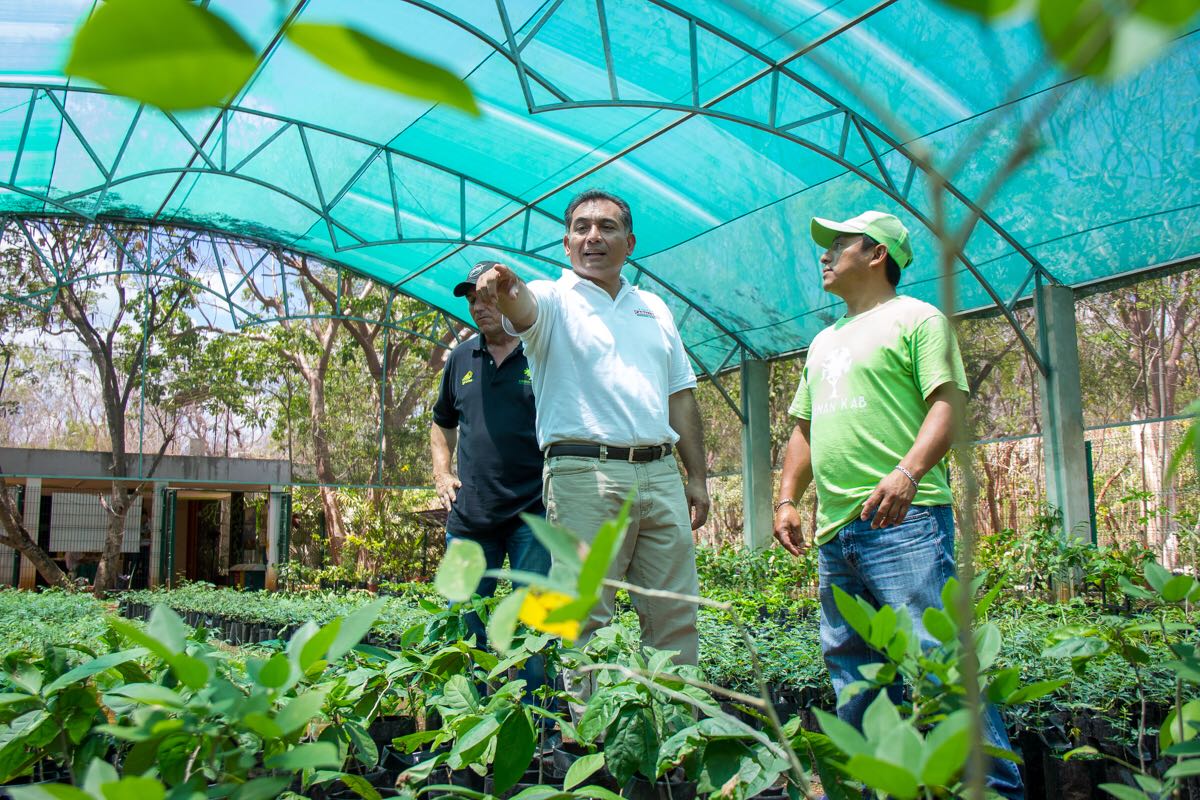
218	165
851	122
240	315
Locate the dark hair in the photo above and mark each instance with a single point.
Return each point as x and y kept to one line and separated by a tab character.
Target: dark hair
600	194
891	268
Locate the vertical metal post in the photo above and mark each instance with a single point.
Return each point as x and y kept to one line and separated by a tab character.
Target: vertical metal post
166	533
274	509
1062	409
756	454
1091	487
285	529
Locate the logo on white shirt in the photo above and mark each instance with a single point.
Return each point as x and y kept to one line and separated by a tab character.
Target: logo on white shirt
644	312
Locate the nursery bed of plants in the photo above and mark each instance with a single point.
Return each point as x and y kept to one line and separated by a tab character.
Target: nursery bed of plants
398	698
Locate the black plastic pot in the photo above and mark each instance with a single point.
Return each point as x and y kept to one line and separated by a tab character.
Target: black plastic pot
383	730
639	788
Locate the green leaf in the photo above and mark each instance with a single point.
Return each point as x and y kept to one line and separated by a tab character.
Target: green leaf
1123	792
1190	442
353	628
134	787
946	750
515	751
562	544
99	772
988	9
365	749
471	743
883	627
854	614
1136	592
191	671
881	719
987	644
49	791
1034	690
502	624
313	755
882	776
1177	588
275	672
362	57
1078	33
171	54
629	742
1076	648
843	734
1156	575
300	710
149	694
1003	684
939	625
261	788
167	627
1184	769
459	696
90	668
603	547
584	767
461	568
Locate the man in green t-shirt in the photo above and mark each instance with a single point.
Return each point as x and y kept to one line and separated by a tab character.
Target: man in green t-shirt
874	420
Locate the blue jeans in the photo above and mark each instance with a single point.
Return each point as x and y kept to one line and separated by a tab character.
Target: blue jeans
902	565
524	553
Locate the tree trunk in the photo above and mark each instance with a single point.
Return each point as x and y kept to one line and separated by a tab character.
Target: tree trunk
114	537
16	536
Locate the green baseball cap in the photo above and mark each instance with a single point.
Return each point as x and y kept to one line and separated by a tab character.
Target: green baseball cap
883	228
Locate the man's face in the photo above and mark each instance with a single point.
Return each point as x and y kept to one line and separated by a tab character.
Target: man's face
846	263
486	315
597	242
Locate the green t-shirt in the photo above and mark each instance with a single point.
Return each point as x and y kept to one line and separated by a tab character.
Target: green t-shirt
864	388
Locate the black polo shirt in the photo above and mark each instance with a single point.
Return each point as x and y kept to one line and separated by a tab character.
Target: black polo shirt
499	462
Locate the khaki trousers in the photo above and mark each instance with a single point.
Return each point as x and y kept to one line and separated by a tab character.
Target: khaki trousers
658	552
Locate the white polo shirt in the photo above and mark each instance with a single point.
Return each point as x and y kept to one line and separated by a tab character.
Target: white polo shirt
603	368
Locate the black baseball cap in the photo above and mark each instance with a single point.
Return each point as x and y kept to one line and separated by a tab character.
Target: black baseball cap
483	266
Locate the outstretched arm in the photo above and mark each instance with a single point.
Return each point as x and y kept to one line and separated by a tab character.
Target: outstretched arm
500	285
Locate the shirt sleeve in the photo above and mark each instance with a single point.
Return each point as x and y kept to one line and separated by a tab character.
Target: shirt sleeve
801	406
680	375
445	414
936	357
537	336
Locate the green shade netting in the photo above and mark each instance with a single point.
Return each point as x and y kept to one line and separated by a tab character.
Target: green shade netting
726	127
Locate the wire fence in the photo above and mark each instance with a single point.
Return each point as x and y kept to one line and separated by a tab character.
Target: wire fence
1134	501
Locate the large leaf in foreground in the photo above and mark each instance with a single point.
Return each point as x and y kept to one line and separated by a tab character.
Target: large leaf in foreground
171	54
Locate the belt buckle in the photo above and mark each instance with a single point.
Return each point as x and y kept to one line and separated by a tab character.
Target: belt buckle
603	453
629	457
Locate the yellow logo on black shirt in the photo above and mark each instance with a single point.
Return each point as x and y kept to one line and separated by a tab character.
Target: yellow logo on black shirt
528	379
470	376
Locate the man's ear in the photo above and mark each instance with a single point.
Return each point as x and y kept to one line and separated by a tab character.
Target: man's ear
880	255
632	241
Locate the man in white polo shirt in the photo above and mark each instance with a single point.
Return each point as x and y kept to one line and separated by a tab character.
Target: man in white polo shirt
613	389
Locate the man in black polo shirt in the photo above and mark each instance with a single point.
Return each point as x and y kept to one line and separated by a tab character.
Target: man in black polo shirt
485	407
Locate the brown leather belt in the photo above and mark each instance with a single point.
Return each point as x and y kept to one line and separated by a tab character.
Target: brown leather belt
605	453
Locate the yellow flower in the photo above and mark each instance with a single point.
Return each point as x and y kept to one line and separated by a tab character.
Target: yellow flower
536	607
